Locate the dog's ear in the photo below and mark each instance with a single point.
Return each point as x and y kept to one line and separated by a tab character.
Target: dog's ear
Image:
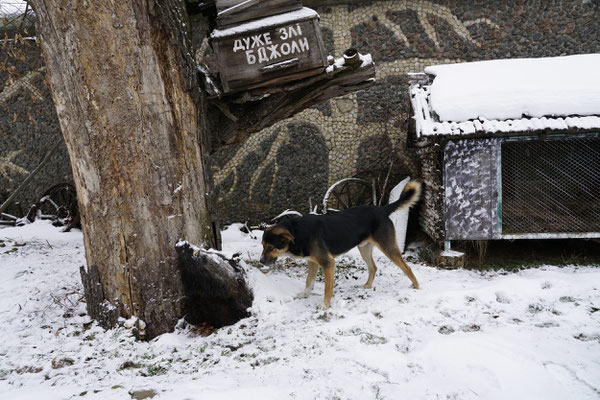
281	231
288	236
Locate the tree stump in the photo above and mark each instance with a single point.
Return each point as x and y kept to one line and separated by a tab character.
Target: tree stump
215	288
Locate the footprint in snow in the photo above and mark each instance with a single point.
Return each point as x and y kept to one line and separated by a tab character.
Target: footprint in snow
501	297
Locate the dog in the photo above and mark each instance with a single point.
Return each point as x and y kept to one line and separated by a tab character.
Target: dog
320	238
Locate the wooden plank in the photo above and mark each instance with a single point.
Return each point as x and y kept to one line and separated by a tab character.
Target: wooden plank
292	62
256	12
238	7
328	3
224	4
320	43
232	12
279	80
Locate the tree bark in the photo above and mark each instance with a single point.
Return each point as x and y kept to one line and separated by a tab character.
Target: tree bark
126	94
216	289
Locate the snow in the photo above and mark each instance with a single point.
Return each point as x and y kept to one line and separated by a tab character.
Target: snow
464	335
12	7
365	61
266	23
513	95
451	253
512	88
287	212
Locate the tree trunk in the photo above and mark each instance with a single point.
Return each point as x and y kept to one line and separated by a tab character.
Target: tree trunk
126	94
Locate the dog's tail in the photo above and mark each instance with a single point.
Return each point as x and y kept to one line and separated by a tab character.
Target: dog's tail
410	195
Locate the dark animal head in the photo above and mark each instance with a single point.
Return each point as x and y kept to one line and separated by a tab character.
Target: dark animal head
276	241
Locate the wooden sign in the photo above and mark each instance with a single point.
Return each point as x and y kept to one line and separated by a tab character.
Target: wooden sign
269	51
237	11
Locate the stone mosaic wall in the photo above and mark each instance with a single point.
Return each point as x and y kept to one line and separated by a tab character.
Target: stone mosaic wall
431	207
364	133
28	123
361	134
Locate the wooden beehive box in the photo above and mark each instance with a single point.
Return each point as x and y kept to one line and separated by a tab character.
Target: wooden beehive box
268	51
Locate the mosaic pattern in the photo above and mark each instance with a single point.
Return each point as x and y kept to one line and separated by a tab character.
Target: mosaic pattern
289	162
15	87
8	167
28	124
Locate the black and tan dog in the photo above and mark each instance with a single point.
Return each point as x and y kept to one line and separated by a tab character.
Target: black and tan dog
322	237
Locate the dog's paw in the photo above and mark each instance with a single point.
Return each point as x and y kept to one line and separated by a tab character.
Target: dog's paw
365	286
323	307
302	295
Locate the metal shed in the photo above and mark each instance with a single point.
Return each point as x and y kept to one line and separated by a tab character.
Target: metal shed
519	178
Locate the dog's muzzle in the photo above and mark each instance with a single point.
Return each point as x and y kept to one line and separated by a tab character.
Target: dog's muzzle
266	260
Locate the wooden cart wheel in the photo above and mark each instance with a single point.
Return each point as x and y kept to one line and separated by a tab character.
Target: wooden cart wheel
59	204
347	193
383	181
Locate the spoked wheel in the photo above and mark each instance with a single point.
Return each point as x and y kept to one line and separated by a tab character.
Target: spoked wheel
383	181
58	204
347	193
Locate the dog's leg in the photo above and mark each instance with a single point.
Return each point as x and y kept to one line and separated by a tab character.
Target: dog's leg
366	252
395	255
328	272
313	268
385	239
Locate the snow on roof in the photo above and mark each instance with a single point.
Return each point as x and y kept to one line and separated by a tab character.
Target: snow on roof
266	23
12	7
558	93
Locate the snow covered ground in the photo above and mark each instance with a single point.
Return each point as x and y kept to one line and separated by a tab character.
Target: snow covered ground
534	334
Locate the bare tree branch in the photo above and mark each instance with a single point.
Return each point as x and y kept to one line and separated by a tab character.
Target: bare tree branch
235	120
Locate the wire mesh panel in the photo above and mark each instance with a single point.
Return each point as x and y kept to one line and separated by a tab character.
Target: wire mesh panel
551	186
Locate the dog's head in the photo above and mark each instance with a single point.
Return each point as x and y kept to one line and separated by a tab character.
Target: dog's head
276	241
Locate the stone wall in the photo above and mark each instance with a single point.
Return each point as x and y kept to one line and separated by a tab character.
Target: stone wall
361	134
28	123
